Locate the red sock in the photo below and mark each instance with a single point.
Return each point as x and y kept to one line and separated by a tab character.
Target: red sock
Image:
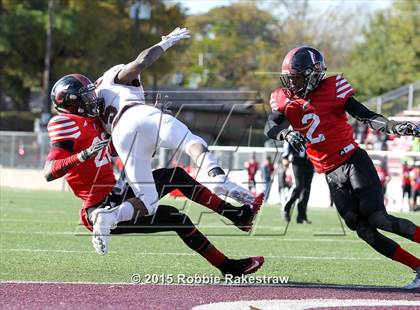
406	258
416	236
213	256
207	199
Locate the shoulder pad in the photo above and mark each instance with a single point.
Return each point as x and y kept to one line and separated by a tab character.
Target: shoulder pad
64	127
278	100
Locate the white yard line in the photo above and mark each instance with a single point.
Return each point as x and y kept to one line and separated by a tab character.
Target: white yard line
249	238
194	254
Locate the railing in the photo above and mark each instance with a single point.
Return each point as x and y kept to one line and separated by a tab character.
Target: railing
29	150
396	101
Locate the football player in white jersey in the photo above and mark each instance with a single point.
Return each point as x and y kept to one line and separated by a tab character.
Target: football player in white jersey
138	130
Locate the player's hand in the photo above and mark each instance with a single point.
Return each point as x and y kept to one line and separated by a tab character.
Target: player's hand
405	129
175	36
163	104
92	150
295	139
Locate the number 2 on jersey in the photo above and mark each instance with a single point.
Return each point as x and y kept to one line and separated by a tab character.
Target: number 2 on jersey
315	122
103	157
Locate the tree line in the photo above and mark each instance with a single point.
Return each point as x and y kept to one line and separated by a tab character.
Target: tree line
237	46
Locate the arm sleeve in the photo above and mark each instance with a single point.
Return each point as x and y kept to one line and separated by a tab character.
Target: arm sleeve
60	160
363	114
275	125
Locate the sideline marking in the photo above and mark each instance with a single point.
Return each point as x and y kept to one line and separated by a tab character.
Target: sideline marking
395	289
300	304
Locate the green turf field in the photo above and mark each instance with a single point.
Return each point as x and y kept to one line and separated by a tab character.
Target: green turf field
41	240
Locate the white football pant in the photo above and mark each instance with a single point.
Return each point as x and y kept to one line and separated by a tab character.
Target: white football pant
140	131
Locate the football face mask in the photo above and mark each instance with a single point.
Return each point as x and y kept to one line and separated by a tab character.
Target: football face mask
88	101
302	70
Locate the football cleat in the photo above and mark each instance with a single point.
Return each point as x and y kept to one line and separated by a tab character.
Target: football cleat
286	216
415	284
306	222
239	267
250	212
103	221
221	185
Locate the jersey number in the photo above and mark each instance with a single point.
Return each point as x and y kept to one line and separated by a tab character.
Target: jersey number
314	124
103	157
109	114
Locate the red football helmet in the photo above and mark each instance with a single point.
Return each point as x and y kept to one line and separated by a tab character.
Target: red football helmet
302	70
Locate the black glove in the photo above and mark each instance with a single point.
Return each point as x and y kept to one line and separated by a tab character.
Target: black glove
92	150
163	104
295	139
403	128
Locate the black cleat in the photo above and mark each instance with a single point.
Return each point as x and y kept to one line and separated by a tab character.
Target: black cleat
286	216
239	267
306	222
249	213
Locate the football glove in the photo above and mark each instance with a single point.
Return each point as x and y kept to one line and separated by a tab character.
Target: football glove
92	150
295	139
176	35
163	104
403	128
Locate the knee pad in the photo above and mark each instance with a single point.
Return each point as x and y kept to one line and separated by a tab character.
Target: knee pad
207	161
191	139
351	219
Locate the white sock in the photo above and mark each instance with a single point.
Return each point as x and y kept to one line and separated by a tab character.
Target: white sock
125	212
207	161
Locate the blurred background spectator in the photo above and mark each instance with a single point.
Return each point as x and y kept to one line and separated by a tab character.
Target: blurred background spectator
252	167
267	173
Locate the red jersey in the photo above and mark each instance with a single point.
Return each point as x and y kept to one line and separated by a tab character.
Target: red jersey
382	174
406	175
93	179
321	118
252	168
415	178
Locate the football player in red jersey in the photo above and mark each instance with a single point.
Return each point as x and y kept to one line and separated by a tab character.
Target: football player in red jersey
316	108
79	152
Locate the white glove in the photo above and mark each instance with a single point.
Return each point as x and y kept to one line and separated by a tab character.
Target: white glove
175	36
163	104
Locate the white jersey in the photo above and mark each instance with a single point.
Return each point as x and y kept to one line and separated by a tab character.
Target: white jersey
116	96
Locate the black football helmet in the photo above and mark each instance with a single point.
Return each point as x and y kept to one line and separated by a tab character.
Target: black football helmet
75	94
302	70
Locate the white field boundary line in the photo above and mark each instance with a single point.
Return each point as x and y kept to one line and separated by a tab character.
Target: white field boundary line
288	285
228	225
248	237
194	254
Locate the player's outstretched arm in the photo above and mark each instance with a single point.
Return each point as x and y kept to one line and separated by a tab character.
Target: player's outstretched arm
147	57
379	122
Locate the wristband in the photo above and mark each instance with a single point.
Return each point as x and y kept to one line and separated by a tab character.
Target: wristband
165	44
